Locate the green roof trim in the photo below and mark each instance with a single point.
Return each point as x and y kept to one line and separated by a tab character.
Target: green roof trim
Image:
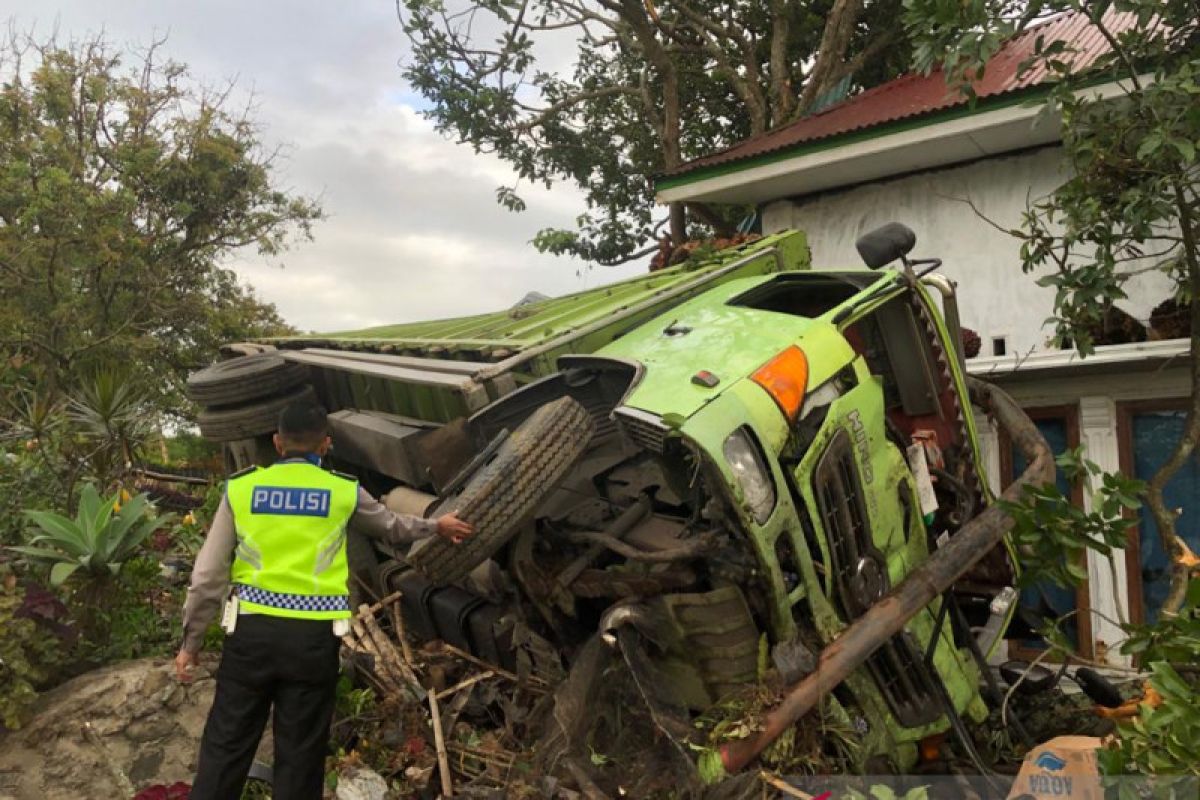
996	102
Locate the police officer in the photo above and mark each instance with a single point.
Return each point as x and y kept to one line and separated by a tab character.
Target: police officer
279	536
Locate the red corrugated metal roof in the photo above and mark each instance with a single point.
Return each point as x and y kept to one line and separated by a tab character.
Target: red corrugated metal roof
914	95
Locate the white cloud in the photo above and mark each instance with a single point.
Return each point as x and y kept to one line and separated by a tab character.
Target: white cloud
414	231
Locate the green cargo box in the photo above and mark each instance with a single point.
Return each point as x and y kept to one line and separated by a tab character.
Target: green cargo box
439	370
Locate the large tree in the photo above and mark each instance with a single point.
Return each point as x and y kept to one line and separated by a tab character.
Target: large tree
652	84
1132	202
124	188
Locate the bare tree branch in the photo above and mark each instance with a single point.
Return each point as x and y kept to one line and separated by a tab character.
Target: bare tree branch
574	100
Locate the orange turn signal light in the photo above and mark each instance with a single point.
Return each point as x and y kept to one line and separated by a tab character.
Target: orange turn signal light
785	377
931	747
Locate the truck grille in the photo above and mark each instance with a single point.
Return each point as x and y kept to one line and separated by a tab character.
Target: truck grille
860	579
905	682
858	568
646	430
599	409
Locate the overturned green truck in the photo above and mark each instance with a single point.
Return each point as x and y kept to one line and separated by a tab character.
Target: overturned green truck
737	457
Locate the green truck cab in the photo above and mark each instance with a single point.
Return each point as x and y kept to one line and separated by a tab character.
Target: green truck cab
709	468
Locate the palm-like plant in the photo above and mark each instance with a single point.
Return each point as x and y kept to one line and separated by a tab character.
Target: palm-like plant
103	535
111	410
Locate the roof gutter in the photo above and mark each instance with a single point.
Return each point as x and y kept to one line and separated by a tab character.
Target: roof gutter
962	133
1117	358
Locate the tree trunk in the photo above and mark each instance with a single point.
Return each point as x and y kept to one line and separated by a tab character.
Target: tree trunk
668	75
678	224
672	156
781	97
839	30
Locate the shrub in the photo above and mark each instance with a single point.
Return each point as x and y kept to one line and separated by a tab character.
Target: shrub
24	481
139	617
29	656
1163	739
102	536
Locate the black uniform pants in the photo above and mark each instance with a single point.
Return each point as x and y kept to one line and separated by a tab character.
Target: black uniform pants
291	664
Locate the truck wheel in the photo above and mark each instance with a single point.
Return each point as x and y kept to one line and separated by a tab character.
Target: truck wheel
507	490
237	380
246	422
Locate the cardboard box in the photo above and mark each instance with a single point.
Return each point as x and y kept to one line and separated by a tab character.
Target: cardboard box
1064	767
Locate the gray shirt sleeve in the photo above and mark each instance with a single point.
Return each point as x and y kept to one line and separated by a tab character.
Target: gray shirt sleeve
374	520
210	578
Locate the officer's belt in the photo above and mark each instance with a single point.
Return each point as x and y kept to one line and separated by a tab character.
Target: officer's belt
292	602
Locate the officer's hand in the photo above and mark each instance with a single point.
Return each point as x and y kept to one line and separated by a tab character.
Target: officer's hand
184	662
452	528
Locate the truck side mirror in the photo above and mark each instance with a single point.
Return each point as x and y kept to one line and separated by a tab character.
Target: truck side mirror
886	244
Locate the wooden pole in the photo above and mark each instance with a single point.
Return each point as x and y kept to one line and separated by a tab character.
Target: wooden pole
439	742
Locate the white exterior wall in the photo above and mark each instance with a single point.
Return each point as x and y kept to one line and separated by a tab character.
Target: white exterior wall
995	297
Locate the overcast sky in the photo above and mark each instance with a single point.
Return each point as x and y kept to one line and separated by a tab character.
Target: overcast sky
414	231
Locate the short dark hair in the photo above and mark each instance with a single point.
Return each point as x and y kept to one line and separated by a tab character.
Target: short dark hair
303	421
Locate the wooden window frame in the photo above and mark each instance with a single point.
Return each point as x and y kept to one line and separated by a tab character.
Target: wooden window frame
1126	411
1083	600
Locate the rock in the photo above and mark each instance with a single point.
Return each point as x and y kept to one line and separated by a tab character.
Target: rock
418	776
147	725
146	766
155	681
360	783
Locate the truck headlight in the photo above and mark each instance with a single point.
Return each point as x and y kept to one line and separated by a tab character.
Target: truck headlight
750	471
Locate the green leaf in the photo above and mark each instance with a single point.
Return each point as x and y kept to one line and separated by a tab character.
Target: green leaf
60	531
104	514
1132	503
63	570
110	541
1149	146
134	538
1187	150
89	511
1167	680
39	552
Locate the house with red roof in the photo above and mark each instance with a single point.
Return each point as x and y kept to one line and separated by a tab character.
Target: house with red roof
961	173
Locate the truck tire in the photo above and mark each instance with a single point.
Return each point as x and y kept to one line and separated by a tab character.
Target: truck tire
507	490
246	422
237	380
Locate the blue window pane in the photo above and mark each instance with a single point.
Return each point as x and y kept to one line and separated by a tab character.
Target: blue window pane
1154	436
1045	598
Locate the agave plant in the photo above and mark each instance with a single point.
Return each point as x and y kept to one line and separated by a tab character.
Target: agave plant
103	535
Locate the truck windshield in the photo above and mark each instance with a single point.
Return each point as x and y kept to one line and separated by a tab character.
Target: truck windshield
805	295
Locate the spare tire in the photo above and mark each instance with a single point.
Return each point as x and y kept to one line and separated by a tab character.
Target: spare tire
247	378
245	422
506	491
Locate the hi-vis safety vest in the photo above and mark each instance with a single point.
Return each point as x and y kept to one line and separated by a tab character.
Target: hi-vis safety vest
291	540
